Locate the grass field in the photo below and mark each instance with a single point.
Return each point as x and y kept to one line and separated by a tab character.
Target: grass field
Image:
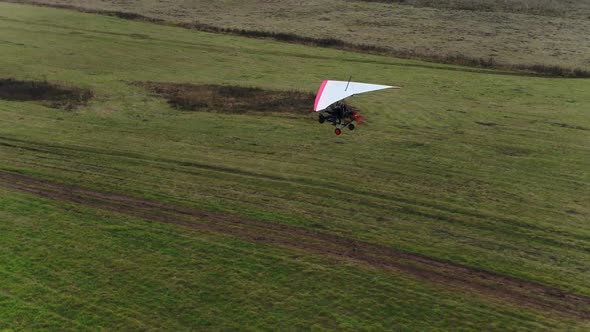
458	178
515	32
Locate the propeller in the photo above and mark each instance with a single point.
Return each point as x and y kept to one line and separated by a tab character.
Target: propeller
359	118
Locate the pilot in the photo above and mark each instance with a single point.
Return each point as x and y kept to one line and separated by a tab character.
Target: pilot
336	113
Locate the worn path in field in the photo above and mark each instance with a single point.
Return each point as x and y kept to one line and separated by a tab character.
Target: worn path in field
449	274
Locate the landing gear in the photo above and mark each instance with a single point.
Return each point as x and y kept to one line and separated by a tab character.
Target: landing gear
340	119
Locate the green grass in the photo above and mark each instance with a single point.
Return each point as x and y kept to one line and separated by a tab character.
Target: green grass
421	176
130	274
514	32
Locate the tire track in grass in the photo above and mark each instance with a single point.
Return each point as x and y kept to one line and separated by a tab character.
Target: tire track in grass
456	276
425	209
432	210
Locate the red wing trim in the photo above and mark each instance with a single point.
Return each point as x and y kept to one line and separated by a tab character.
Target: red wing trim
319	95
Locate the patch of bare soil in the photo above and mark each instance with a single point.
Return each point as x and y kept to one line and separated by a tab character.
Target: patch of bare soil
231	99
452	275
50	94
488	124
569	126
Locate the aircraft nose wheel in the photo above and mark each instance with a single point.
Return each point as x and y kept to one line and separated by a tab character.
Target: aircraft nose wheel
351	126
337	131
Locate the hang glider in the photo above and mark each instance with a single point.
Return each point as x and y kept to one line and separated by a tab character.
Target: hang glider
330	109
333	91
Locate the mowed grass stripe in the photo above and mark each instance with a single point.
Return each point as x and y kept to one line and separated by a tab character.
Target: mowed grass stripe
314	188
403	205
194	269
463	223
314	242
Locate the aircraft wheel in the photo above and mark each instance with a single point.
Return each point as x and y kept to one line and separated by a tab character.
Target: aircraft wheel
351	126
321	119
337	131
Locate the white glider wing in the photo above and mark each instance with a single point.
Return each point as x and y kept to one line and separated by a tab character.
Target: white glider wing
333	91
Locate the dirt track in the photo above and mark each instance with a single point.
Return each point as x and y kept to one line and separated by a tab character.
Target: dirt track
453	275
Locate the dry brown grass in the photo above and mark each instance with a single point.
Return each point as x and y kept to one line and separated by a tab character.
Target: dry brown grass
529	7
51	94
231	99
